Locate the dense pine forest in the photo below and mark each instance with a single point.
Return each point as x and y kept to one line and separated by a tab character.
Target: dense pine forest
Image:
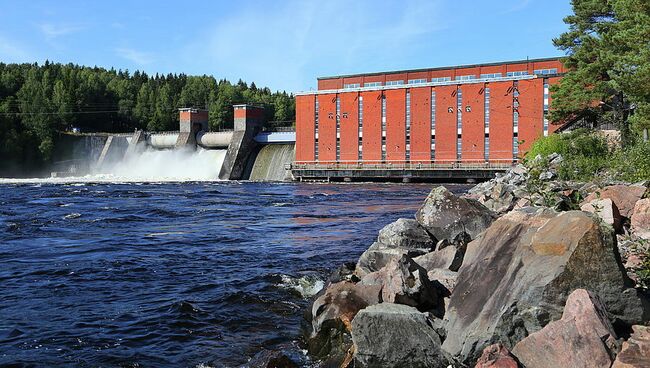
38	102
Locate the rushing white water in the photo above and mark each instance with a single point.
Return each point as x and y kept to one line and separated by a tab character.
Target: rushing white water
170	165
150	165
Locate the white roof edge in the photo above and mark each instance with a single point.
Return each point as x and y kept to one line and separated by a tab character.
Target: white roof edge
415	85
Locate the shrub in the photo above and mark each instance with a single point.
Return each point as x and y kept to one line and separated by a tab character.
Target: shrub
633	164
585	153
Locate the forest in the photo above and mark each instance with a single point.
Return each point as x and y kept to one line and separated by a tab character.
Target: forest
40	102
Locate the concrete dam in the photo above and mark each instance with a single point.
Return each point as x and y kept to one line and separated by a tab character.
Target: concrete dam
248	152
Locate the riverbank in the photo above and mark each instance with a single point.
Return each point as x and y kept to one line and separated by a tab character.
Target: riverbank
522	271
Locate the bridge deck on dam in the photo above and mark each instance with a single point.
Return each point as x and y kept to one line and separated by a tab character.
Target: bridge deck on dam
276	137
401	170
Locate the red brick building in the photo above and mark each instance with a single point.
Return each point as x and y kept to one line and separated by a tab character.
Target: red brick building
471	114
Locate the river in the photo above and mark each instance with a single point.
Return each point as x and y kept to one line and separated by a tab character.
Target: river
195	274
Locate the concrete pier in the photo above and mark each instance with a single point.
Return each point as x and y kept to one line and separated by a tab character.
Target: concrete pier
248	122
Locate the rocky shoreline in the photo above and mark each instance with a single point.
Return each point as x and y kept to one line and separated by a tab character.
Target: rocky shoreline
522	271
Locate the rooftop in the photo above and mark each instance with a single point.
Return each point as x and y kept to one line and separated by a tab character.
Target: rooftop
442	68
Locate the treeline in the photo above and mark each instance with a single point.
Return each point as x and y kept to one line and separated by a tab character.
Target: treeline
37	102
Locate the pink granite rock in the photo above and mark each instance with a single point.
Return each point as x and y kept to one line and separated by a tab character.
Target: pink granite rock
636	350
496	356
624	196
606	210
641	218
583	337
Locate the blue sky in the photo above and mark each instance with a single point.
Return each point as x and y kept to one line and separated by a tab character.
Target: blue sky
284	45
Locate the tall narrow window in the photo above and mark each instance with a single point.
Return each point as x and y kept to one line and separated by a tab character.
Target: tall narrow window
546	103
383	127
515	120
459	122
459	106
316	129
338	127
433	124
360	128
486	95
408	125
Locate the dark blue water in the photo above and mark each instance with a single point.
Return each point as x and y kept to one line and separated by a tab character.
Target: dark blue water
174	275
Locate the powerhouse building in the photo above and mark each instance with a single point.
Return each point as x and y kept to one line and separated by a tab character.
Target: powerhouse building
487	114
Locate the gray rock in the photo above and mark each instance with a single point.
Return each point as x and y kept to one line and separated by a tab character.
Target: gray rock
403	281
450	258
406	233
547	175
379	255
516	278
393	335
332	315
447	216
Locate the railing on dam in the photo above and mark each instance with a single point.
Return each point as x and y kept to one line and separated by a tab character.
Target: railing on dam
276	137
493	165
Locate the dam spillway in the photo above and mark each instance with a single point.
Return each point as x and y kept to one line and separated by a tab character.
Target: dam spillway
191	153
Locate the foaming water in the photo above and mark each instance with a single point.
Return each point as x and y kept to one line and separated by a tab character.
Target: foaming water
196	274
150	165
169	165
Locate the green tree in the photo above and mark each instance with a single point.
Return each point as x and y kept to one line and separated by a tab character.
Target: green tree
608	57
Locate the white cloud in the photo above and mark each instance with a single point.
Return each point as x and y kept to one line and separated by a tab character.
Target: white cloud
519	5
135	56
273	44
51	31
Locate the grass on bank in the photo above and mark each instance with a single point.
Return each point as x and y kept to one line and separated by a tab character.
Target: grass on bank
588	157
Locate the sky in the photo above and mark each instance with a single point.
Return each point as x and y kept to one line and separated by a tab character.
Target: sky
283	45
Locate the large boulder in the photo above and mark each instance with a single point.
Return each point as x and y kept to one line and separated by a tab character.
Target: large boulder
583	337
394	335
332	314
606	210
624	196
406	233
402	237
496	356
450	257
446	216
517	275
403	281
379	255
636	350
640	220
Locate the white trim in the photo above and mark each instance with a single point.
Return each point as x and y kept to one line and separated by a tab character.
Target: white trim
429	84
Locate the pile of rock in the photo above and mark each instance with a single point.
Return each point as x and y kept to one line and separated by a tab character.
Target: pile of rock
468	283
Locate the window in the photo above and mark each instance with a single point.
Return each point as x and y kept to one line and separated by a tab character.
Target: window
417	81
408	125
517	73
486	95
372	84
441	79
487	148
351	85
316	129
360	157
395	83
459	113
515	148
433	124
459	148
491	75
383	127
545	71
465	77
338	127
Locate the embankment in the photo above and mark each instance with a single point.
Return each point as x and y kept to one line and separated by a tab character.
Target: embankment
522	271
